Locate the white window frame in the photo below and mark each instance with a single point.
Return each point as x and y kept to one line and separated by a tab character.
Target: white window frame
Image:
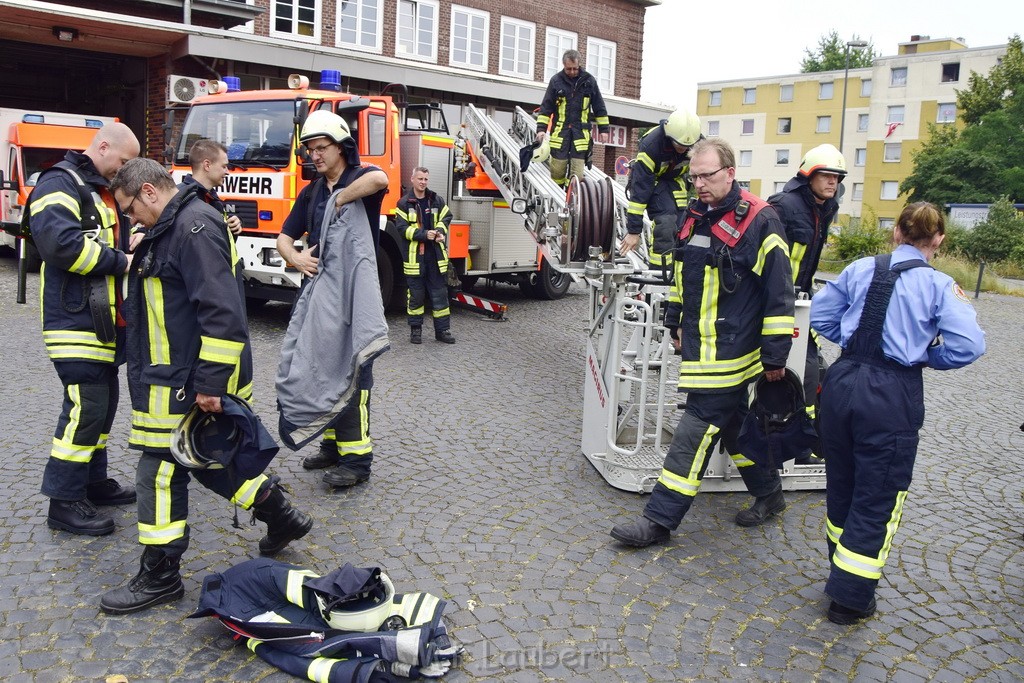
860	156
865	87
858	192
939	118
519	26
783	90
713	129
715	98
294	34
745	158
247	27
779	186
782	157
556	42
417	19
826	90
898	77
602	49
827	127
360	17
789	125
886	223
750	96
893	109
894	190
471	14
744	123
863	121
892	152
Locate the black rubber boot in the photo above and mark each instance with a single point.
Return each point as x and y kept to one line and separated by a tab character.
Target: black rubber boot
762	509
327	456
158	581
284	523
641	533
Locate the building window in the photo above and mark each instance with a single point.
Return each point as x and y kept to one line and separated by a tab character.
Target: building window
895	114
824	124
746	157
825	91
417	29
749	95
469	38
786	93
785	125
516	48
947	112
898	76
601	63
715	98
747	127
858	191
296	19
779	187
893	151
556	43
886	223
890	189
744	184
860	156
359	24
865	87
712	128
951	72
862	123
782	157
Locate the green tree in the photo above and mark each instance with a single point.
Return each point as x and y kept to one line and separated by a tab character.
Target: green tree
986	94
830	55
998	236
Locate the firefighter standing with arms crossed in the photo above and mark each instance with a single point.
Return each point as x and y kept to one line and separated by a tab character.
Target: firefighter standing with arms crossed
78	231
731	317
657	184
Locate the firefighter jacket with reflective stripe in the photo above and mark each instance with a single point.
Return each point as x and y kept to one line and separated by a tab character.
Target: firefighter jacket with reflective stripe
187	330
79	252
569	102
413	226
806	223
657	161
269	605
734	304
211	197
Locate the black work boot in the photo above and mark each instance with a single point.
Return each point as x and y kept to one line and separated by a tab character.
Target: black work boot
416	335
641	533
763	508
327	456
445	336
844	616
284	523
79	517
342	476
109	492
157	582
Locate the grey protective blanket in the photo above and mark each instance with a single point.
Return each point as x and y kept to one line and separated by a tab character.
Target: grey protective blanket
337	328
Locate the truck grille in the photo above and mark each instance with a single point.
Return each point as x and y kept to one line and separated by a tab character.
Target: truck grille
247	211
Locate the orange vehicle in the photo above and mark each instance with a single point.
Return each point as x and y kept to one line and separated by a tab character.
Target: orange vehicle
268	170
33	141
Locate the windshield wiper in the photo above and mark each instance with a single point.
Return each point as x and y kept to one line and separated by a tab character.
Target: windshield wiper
245	166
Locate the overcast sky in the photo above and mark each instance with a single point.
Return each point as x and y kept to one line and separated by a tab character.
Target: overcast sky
757	38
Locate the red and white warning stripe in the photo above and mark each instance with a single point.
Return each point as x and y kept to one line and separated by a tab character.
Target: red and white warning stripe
487	306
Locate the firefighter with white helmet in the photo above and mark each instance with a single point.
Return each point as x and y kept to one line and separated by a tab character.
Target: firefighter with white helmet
657	185
807	206
346	449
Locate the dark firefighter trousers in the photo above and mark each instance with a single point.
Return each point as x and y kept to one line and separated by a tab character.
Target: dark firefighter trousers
709	418
434	283
78	454
665	218
349	433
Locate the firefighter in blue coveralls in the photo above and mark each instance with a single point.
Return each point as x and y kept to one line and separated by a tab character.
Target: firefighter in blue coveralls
187	343
78	232
571	95
657	184
422	218
892	314
731	316
807	206
346	449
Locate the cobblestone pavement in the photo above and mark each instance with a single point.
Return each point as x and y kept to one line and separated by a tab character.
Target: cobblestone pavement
480	494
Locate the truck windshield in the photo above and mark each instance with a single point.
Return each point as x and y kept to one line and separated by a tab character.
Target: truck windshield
36	160
255	133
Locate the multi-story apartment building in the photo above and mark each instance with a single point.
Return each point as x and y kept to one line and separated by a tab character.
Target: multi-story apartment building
771	122
115	57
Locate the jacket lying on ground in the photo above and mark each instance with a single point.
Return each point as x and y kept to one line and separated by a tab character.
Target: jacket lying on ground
272	606
336	330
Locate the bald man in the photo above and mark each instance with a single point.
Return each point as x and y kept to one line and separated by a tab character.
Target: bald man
82	239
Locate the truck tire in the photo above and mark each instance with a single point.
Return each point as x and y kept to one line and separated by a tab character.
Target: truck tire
391	293
33	262
549	284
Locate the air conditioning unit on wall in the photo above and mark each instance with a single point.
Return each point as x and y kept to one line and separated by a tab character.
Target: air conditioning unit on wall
184	89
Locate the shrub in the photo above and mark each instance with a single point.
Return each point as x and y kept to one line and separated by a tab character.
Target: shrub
998	236
864	240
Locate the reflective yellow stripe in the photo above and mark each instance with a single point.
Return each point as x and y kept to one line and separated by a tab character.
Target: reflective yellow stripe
891	526
71	344
778	324
159	345
319	669
858	565
602	120
69	452
772	241
708	315
163	529
293	585
796	255
832	531
218	350
645	159
88	258
246	493
364	445
57	199
636	208
152	534
740	460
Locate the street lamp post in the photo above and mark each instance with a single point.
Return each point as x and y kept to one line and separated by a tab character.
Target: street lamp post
850	45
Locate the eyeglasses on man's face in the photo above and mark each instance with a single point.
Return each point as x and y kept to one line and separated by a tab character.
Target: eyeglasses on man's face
703	177
129	210
319	150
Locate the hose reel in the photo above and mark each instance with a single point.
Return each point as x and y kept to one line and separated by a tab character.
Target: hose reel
591	206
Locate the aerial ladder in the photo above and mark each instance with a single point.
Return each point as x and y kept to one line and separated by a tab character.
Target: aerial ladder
631	405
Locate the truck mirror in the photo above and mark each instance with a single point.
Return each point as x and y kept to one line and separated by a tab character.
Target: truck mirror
5	184
308	171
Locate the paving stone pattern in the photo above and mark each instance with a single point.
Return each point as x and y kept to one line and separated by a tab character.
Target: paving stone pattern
480	494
